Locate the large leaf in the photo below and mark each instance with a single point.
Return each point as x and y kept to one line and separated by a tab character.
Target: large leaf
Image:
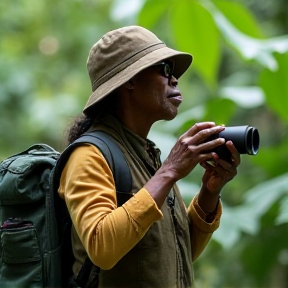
265	194
239	16
246	97
273	160
125	8
151	12
219	110
196	33
275	86
246	217
283	214
249	47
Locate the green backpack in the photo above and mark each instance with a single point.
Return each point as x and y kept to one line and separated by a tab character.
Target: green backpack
35	245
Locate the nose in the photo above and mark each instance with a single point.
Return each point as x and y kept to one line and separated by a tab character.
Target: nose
173	81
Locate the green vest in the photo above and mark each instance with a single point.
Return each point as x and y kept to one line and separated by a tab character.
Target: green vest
163	257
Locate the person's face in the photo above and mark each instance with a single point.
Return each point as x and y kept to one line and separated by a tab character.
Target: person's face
156	93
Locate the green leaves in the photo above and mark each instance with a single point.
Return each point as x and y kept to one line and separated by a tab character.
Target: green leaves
196	33
151	12
238	76
249	47
283	212
246	217
238	16
275	85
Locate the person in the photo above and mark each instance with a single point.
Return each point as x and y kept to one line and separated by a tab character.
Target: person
152	239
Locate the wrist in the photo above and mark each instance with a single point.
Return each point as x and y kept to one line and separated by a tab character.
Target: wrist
209	214
208	201
215	209
167	175
159	186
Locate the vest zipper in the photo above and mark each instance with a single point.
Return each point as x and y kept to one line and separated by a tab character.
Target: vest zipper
171	204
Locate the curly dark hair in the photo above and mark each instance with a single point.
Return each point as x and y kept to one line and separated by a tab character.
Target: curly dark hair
83	122
79	126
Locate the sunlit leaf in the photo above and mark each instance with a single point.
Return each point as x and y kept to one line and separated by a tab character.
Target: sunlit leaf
246	97
273	160
246	217
239	16
250	48
196	33
125	8
151	12
275	86
283	215
219	110
231	228
262	196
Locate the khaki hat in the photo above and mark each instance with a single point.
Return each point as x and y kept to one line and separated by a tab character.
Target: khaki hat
122	53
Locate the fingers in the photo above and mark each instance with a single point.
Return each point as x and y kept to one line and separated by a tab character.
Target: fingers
198	127
235	156
198	142
222	168
196	146
200	132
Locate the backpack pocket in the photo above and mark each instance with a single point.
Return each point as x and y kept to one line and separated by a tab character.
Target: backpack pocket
21	258
52	266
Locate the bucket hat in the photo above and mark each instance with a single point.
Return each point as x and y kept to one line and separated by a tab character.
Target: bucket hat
122	53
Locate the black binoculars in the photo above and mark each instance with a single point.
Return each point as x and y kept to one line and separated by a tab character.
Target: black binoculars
246	140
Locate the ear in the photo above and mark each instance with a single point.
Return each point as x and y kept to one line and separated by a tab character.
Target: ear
129	85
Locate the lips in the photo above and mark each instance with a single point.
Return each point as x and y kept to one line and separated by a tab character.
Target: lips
176	97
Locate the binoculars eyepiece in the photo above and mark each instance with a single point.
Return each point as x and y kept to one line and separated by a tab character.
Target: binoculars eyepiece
246	139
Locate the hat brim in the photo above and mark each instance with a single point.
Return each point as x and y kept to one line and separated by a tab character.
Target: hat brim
182	62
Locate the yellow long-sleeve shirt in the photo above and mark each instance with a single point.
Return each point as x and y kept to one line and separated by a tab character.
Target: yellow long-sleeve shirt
106	231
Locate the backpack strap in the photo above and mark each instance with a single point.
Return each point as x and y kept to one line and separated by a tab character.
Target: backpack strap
121	173
113	155
115	158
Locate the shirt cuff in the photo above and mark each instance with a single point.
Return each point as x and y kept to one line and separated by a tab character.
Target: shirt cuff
198	216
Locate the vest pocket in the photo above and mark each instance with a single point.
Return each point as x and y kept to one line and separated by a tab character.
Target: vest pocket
21	258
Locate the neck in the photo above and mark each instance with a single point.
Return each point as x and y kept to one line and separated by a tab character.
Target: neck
135	124
131	113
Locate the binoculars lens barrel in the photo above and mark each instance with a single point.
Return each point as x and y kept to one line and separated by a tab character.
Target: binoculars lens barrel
246	139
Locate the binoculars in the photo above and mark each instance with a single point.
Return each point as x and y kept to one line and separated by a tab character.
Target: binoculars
246	140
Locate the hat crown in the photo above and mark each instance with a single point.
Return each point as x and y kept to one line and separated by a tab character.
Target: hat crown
121	54
118	49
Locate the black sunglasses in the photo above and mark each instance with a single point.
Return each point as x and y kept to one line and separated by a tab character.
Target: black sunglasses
167	68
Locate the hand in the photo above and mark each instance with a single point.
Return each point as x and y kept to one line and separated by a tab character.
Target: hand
219	172
190	149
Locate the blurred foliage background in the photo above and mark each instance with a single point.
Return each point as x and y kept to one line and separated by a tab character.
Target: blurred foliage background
239	77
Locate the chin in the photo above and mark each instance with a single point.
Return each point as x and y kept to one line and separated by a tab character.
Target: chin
171	116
